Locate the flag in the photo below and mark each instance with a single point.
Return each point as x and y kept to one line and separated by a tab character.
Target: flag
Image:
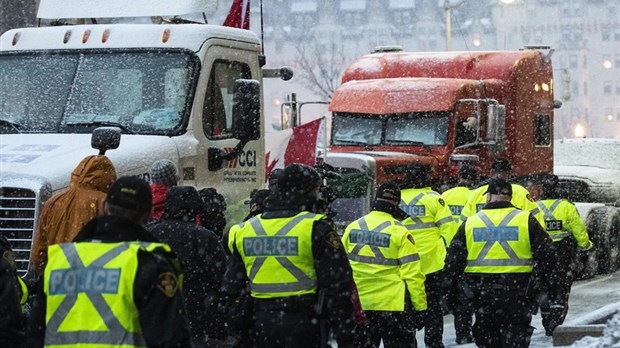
239	15
295	145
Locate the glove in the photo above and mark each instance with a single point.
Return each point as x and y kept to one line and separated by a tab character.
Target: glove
556	317
471	123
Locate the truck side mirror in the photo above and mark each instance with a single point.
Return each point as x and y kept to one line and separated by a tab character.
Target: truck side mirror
496	116
246	110
105	138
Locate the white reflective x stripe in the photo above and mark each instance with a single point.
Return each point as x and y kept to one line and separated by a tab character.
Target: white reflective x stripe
417	223
117	334
414	200
303	281
445	220
548	212
548	215
379	258
513	259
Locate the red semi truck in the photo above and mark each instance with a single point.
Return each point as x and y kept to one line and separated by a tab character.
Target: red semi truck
441	108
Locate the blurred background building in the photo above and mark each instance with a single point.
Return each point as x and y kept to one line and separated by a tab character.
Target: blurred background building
318	38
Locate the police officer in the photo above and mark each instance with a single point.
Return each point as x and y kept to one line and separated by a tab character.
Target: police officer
501	168
495	252
296	268
456	198
432	226
386	268
13	296
568	233
114	285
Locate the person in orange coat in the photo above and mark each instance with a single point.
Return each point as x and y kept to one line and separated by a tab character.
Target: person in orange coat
64	215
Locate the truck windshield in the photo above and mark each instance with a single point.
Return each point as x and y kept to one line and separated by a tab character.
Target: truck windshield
601	155
419	128
144	92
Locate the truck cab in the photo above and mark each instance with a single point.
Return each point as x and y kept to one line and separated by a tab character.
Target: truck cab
185	91
449	104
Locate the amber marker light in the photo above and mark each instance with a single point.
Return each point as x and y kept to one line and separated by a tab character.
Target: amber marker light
67	37
105	35
166	35
86	35
16	38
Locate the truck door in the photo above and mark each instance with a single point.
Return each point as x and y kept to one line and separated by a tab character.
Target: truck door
213	128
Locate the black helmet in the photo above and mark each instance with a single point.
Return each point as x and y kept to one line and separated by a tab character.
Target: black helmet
469	172
417	175
299	178
501	164
388	192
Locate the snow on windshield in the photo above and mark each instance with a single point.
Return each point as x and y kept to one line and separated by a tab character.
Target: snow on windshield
146	92
601	155
413	128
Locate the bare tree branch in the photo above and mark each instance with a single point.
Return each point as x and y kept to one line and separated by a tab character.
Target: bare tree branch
320	66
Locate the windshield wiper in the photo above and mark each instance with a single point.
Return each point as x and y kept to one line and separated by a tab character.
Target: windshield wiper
408	142
103	124
353	142
14	125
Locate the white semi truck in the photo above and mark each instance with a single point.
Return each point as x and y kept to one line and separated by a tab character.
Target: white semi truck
189	92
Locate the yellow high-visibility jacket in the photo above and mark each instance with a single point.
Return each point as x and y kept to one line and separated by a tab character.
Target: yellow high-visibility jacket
456	198
498	241
431	224
562	220
277	254
89	288
385	263
520	199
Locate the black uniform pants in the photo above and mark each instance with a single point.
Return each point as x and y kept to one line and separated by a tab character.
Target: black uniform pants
433	318
502	319
463	319
286	326
394	328
566	253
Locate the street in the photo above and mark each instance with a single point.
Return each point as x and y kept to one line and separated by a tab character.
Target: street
586	296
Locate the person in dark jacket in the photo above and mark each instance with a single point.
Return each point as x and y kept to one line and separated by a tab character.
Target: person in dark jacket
318	268
212	214
143	303
13	295
202	258
493	255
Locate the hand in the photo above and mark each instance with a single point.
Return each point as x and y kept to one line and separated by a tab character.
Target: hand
230	342
471	123
589	245
419	319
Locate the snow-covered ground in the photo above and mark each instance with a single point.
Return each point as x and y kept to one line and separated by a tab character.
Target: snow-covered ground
598	294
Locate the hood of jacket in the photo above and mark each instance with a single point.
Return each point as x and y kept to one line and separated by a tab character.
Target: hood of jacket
95	172
182	203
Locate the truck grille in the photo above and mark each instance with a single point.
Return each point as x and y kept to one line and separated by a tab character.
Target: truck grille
17	216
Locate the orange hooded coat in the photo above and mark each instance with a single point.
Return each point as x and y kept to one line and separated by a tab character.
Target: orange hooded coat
64	215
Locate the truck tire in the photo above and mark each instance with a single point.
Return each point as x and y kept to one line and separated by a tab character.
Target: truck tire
603	225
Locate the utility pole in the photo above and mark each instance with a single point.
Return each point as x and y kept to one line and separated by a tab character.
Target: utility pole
448	11
448	5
